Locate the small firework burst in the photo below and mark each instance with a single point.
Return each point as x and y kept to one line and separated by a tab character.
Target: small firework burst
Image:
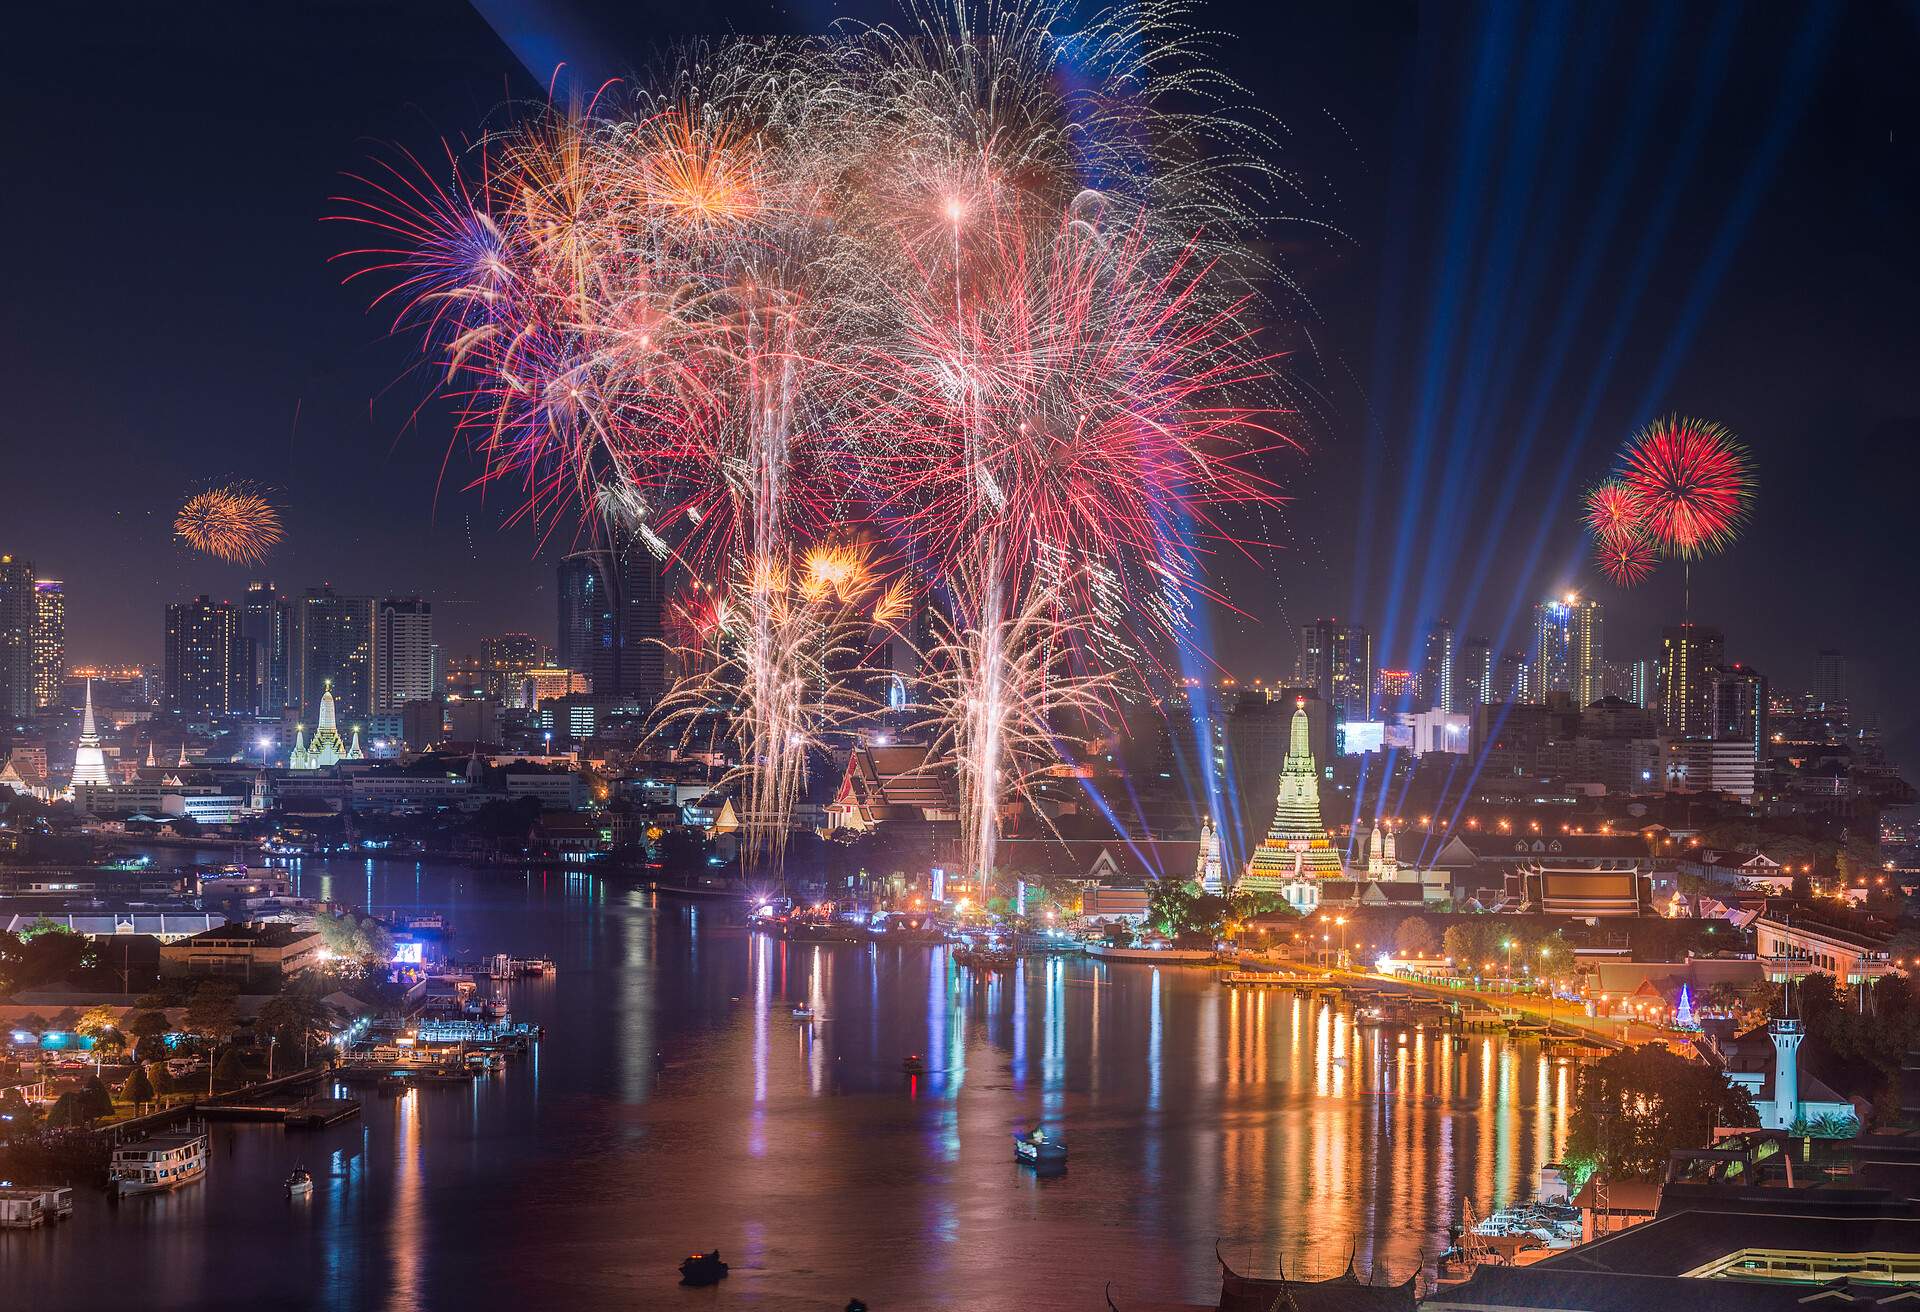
1612	511
1626	557
1692	483
234	523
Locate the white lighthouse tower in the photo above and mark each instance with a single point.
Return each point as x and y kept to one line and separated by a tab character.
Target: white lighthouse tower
1787	1034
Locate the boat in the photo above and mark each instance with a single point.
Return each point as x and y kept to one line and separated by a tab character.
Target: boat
803	1012
1034	1148
703	1269
913	1065
157	1163
391	1086
300	1183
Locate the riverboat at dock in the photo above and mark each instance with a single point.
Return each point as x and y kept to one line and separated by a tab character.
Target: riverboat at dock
158	1163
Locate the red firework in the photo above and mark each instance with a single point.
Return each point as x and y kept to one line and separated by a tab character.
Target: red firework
1692	483
1612	511
1626	558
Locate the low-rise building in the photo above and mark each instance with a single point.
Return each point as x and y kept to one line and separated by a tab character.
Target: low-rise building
250	954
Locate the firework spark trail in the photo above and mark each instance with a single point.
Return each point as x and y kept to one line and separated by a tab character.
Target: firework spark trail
972	278
1692	484
233	523
793	647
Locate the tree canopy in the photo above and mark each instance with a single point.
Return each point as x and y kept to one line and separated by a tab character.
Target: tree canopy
1635	1107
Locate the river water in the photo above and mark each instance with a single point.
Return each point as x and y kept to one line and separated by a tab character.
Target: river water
675	1105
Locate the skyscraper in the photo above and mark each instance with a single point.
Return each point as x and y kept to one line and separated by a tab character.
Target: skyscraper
1568	650
1687	653
1474	684
266	626
16	638
610	617
1739	704
207	667
582	606
1586	652
49	641
1830	686
404	671
1336	661
333	640
1437	672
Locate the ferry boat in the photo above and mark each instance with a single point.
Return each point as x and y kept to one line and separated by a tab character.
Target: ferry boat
300	1183
158	1163
1034	1148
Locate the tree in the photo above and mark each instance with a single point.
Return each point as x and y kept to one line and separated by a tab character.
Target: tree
230	1070
101	1025
213	1008
1636	1107
65	1112
138	1089
1414	937
294	1019
96	1103
1169	903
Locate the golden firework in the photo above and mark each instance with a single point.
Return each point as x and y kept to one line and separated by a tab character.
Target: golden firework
231	523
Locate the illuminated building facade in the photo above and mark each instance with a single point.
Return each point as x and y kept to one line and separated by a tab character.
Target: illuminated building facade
333	652
404	671
16	638
209	670
327	748
1438	671
1296	841
1336	662
1687	653
1473	676
49	641
266	626
1568	652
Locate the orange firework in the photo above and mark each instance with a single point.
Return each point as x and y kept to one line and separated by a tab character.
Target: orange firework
232	523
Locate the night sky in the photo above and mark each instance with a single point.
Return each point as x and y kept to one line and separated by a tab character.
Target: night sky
1521	231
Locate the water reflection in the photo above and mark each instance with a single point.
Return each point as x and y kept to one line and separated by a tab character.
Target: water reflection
677	1103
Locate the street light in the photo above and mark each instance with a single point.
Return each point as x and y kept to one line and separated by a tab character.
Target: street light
1508	945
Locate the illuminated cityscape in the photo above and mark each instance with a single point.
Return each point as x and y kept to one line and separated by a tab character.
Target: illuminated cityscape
1002	654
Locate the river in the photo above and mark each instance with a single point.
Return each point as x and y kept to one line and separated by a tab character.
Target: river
675	1104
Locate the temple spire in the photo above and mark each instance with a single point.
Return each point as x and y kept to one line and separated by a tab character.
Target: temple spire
1297	839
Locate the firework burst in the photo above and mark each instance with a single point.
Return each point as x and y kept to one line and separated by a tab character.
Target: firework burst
1627	557
233	523
1691	483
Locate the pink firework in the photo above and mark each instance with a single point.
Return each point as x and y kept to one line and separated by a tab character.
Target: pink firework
1065	398
1692	484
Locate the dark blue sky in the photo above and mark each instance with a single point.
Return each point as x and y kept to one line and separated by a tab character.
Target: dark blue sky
1545	225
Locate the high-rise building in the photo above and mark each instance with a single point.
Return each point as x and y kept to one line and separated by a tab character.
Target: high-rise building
1645	681
582	604
611	612
505	659
333	641
266	626
16	638
1739	700
1396	691
1437	671
404	670
1687	653
1830	686
1473	675
49	641
1568	651
208	668
1336	661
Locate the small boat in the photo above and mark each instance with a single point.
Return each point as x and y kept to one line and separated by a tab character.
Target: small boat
300	1183
703	1269
1034	1148
803	1012
913	1065
391	1086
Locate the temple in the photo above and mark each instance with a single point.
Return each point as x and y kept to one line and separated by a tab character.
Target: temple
89	762
1207	869
326	749
1296	843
